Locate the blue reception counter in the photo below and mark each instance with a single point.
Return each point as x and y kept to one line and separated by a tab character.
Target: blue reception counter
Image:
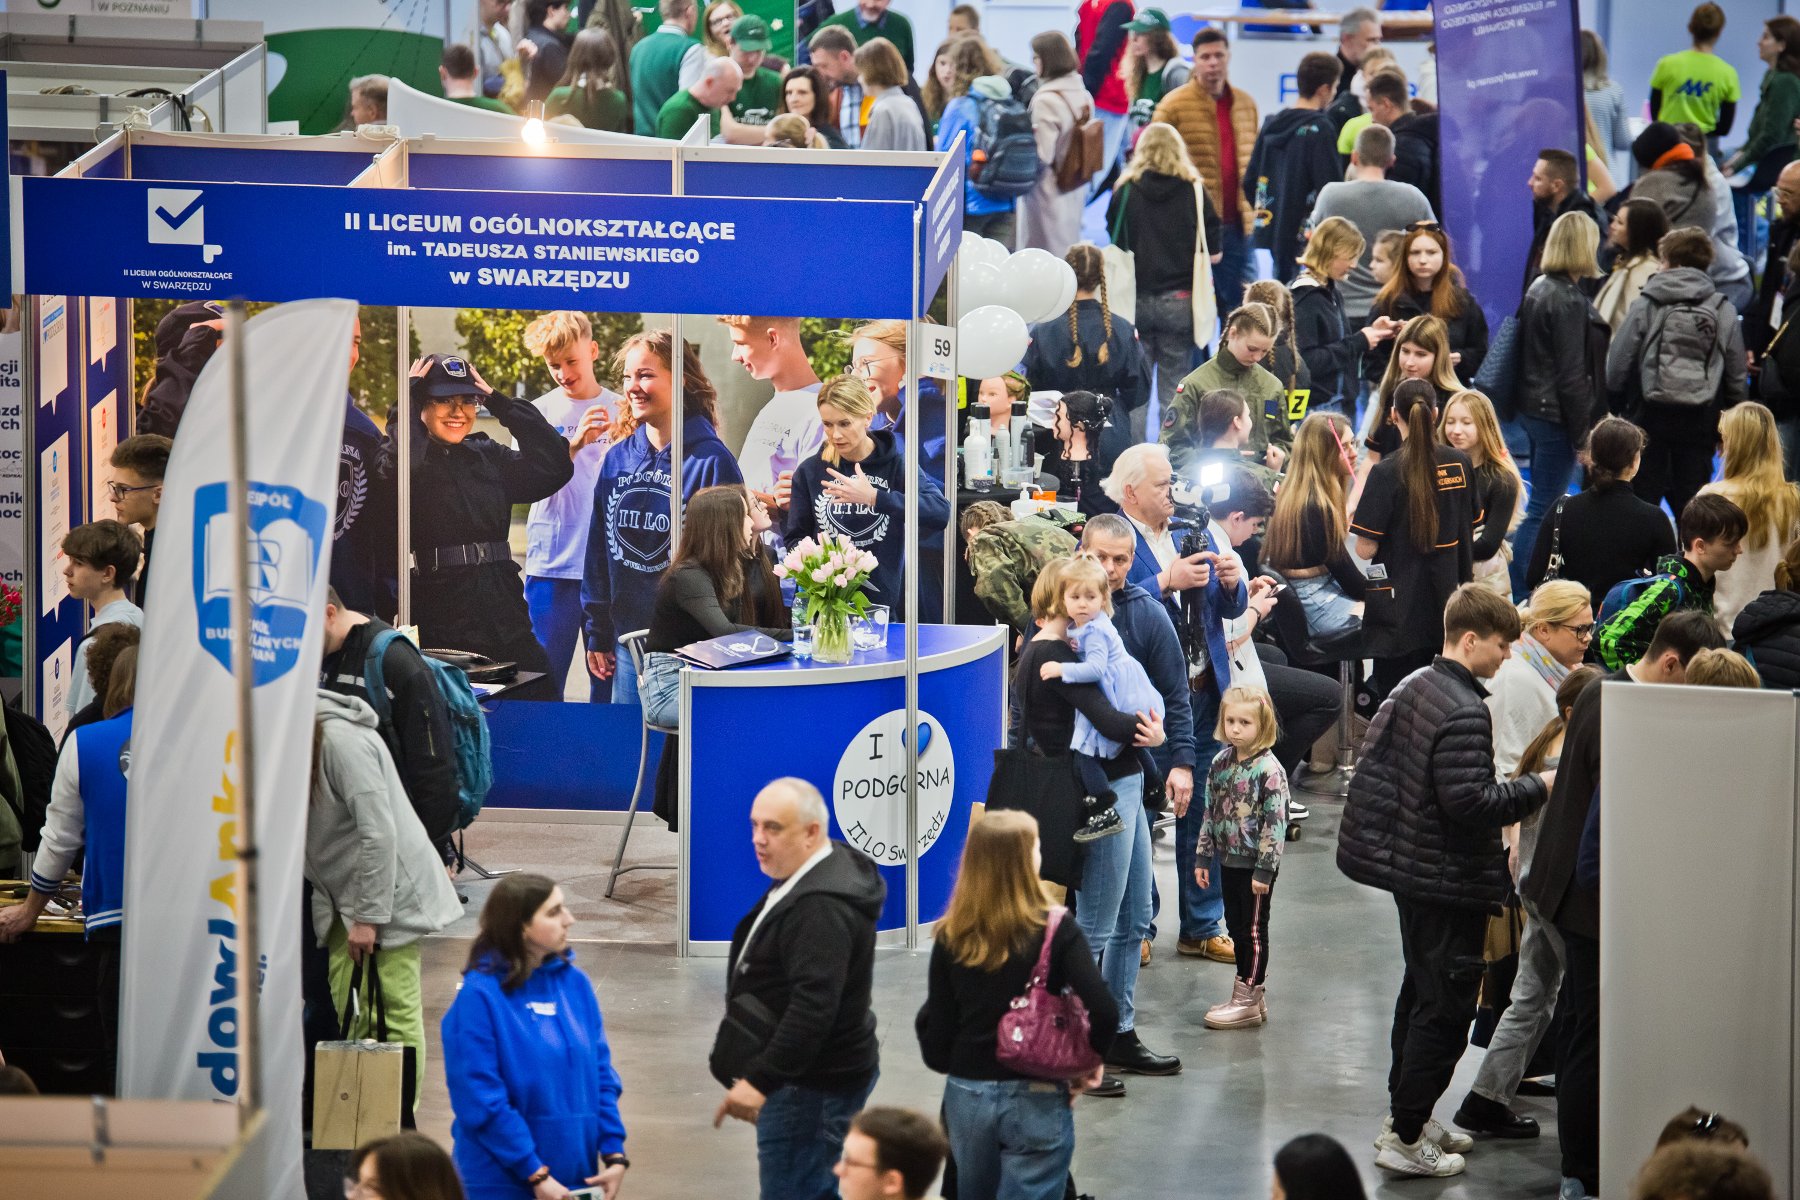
842	728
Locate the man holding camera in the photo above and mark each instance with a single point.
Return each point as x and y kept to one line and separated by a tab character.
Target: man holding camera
1201	582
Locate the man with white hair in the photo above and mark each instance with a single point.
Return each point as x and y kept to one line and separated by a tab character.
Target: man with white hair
1201	591
717	86
797	1050
1359	31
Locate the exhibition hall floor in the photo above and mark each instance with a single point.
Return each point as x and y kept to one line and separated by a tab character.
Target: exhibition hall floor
1320	1064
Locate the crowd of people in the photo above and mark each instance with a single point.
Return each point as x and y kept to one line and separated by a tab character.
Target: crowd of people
1261	478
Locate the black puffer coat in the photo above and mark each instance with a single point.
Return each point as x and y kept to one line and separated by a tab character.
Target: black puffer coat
1767	633
1424	815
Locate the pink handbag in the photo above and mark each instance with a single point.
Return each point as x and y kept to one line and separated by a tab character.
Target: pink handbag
1045	1036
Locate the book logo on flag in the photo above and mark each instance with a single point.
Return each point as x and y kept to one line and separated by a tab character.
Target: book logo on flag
287	531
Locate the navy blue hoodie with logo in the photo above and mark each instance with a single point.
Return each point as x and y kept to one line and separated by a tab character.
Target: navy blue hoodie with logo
628	538
879	528
364	536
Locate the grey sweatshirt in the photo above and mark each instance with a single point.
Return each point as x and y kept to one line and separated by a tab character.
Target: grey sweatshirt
367	856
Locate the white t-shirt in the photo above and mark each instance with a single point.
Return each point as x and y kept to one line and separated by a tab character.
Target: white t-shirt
556	532
1246	663
785	433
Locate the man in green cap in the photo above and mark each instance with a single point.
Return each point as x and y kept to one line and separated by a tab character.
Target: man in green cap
717	86
1005	555
760	98
1151	44
869	19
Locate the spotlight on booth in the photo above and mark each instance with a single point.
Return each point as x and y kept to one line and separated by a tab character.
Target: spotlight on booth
533	133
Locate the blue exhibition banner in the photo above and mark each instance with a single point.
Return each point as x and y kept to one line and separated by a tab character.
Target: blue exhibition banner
474	249
1509	85
943	228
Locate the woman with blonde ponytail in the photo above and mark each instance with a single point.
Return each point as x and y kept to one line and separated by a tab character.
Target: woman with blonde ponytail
1415	522
1250	333
1090	348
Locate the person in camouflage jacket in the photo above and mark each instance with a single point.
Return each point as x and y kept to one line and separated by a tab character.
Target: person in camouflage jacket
1005	555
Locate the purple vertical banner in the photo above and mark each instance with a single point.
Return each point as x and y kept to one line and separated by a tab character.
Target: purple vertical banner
1509	85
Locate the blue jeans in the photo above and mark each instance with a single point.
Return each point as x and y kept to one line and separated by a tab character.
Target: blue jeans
799	1138
555	606
1202	909
1230	272
1552	465
624	680
1012	1139
1113	903
1112	146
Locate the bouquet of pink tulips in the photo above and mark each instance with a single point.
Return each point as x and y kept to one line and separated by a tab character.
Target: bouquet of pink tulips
828	577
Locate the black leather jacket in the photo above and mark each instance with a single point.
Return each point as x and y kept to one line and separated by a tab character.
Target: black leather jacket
1562	356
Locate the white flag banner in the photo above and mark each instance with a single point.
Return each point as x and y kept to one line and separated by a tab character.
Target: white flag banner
178	1026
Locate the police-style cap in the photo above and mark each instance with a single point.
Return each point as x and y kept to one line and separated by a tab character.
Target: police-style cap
750	32
446	376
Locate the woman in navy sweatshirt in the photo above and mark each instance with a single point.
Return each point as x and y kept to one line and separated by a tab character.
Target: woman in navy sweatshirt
532	1086
867	503
628	541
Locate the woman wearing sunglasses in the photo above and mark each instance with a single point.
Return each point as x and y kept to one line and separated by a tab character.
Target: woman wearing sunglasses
1558	623
1428	283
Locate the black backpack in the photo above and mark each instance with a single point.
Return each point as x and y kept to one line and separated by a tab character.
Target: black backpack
34	753
1005	162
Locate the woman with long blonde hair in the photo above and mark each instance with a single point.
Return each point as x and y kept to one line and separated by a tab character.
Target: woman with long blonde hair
1470	423
1421	351
982	956
1161	213
1753	480
1305	538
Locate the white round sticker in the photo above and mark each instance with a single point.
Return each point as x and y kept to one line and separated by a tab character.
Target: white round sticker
869	796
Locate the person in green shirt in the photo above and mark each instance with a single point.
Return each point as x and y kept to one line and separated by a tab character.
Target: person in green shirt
458	74
717	86
760	98
1778	101
1152	66
586	91
1697	85
871	19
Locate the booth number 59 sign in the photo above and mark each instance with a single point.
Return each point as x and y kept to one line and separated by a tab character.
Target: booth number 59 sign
937	350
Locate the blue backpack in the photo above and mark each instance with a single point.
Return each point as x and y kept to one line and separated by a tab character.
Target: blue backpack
1621	595
468	724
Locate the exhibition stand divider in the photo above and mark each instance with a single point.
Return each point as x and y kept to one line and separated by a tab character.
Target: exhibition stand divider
869	234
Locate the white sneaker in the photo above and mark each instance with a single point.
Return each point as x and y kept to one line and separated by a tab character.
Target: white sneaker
1446	1139
1423	1157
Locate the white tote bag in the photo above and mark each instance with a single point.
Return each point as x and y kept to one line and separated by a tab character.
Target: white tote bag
1206	303
1120	267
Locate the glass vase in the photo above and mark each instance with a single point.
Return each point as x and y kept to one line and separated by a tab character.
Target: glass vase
831	638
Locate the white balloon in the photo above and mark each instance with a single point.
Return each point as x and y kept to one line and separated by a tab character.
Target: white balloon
974	248
978	283
1033	280
1066	295
990	341
994	252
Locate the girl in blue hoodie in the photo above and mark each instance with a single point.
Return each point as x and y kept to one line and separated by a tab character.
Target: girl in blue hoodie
628	539
855	487
532	1085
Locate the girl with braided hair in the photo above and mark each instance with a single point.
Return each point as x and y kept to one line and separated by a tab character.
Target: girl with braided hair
1090	348
1250	333
1283	359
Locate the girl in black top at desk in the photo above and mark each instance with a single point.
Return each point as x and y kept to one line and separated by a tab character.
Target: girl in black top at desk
467	593
1091	349
1607	533
1427	283
1114	908
867	502
1080	419
1306	537
719	583
1415	523
1010	1135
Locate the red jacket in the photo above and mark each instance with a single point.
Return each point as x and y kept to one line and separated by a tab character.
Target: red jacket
1099	44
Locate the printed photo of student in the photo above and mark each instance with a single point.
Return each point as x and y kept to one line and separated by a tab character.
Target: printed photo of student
467	593
855	487
556	531
628	535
